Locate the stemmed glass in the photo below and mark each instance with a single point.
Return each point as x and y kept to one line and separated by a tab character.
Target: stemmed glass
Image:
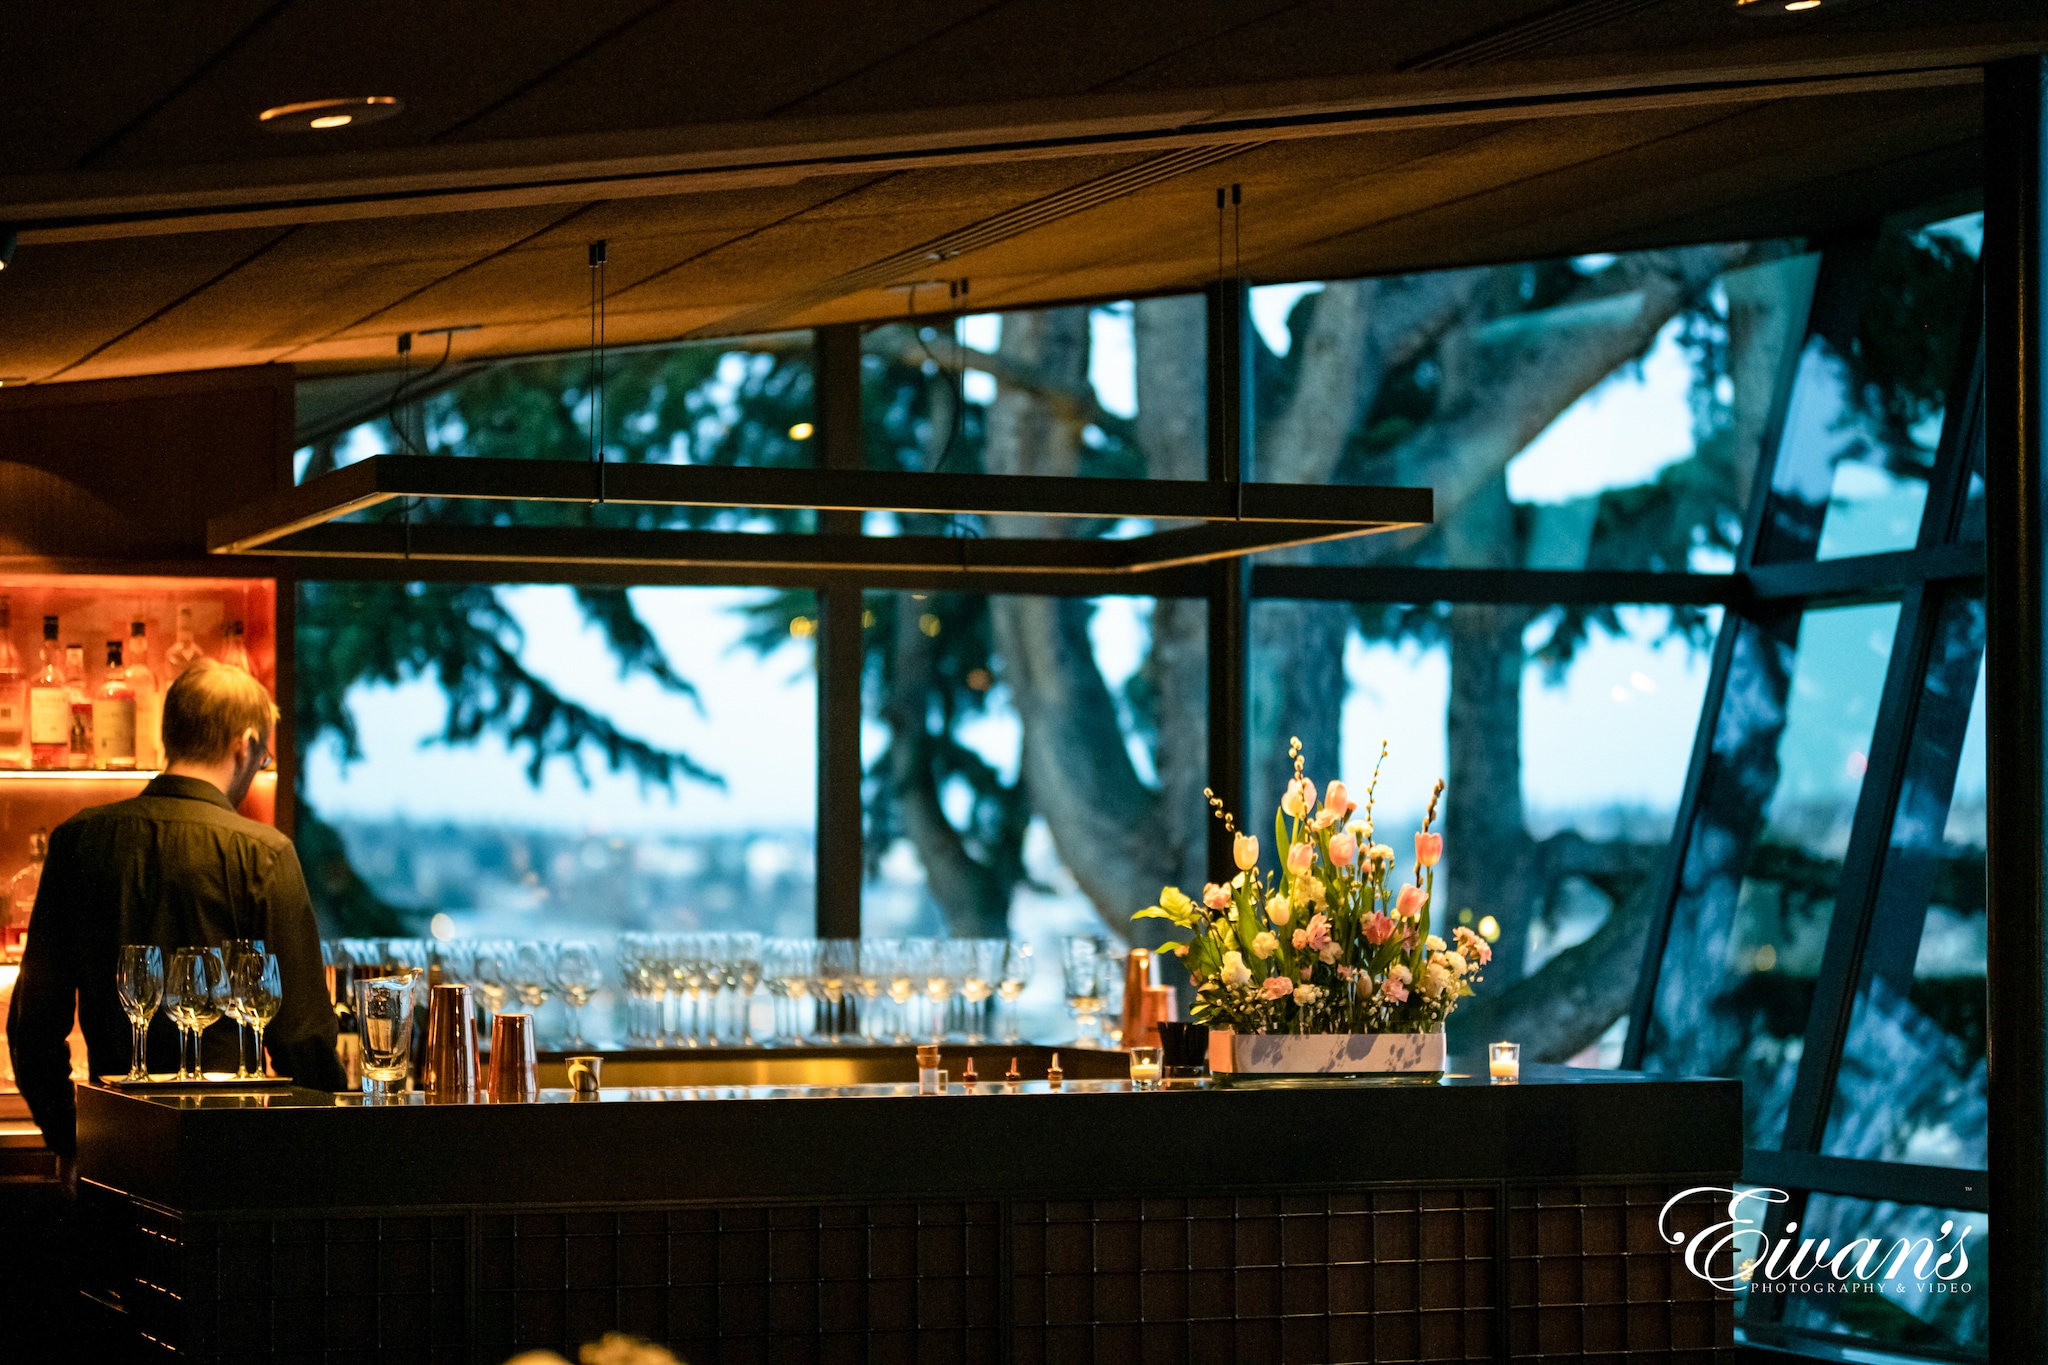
194	995
934	974
1084	960
579	972
533	975
140	981
744	975
491	969
257	987
902	985
837	963
236	1004
978	987
1018	967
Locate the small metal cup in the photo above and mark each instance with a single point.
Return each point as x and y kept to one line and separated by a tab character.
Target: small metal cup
515	1072
584	1075
451	1072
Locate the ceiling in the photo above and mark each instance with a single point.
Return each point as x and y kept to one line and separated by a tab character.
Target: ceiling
786	163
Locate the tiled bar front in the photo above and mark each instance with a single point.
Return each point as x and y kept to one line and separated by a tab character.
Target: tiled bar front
860	1224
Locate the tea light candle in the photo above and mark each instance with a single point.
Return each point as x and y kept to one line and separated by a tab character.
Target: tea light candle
1504	1063
1144	1067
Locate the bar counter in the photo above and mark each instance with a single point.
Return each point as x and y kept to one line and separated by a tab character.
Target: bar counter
868	1222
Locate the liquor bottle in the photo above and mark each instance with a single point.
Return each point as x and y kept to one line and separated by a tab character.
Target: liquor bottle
113	716
49	706
233	652
79	754
149	701
185	651
21	898
13	696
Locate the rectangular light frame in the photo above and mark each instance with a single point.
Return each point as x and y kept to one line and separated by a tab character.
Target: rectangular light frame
1242	518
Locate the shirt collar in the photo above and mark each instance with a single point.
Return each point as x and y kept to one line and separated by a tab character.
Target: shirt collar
189	789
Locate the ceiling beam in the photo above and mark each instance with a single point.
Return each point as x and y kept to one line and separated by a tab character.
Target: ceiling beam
92	206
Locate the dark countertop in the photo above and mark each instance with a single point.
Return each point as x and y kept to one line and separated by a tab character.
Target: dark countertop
306	1150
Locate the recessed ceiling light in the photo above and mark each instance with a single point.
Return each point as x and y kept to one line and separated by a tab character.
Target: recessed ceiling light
308	115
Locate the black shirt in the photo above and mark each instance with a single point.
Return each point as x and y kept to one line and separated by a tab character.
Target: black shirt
176	867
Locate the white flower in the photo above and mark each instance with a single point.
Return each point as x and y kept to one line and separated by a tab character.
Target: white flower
1265	944
1307	995
1433	943
1235	974
1330	952
1278	911
1438	977
1398	972
1457	963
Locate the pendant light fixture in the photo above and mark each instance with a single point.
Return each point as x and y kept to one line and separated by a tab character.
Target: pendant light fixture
1234	518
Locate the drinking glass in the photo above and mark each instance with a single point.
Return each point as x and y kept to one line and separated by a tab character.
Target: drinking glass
837	963
384	1017
533	975
491	964
1084	961
1018	967
868	985
140	981
256	983
579	972
195	993
745	968
644	985
902	986
236	1006
931	972
978	987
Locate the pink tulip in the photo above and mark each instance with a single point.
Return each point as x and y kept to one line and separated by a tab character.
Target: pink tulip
1343	848
1216	896
1300	858
1244	851
1301	938
1429	849
1276	986
1337	799
1377	929
1408	905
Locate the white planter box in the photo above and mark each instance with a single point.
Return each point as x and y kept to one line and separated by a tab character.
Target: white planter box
1391	1056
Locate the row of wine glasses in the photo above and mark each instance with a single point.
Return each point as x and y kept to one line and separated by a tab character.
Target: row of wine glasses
528	972
197	988
691	990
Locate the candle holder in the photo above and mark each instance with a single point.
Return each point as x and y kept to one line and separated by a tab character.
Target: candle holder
1504	1063
1145	1068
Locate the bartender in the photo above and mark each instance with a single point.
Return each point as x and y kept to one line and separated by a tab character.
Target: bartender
175	867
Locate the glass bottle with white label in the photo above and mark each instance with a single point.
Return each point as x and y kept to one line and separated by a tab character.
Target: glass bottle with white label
79	753
184	651
49	706
149	700
13	695
113	716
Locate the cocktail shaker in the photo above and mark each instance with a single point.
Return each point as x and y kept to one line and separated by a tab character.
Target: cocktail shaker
450	1074
515	1072
1146	1006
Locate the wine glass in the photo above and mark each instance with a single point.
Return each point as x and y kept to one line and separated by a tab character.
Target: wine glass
1083	960
533	974
1018	968
579	972
491	968
257	984
869	984
838	962
194	995
745	968
978	986
934	976
140	982
902	985
235	1005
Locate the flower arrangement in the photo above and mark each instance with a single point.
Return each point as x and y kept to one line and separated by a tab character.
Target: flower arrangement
1323	944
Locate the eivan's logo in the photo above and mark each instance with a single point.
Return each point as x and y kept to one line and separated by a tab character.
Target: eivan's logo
1798	1265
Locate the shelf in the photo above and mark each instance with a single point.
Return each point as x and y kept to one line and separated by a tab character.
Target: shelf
77	774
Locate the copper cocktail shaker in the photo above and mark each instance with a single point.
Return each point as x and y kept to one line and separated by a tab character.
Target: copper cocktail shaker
515	1072
450	1073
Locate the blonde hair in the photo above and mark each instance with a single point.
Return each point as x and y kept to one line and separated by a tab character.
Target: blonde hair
209	707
